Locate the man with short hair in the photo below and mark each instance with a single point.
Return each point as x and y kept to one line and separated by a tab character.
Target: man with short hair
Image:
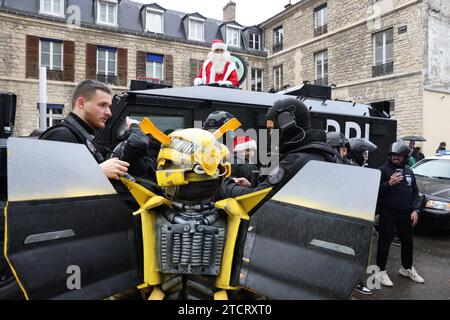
218	68
91	105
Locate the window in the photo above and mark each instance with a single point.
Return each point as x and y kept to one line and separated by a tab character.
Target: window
196	29
155	66
106	65
255	41
387	107
278	39
107	12
278	77
54	114
320	20
155	21
257	80
51	54
321	67
320	16
233	36
383	60
52	7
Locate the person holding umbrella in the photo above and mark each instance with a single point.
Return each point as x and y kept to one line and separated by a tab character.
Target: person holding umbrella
412	158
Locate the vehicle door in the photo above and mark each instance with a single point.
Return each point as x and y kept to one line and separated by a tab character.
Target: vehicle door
69	235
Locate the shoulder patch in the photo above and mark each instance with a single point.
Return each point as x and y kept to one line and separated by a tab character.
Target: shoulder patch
276	175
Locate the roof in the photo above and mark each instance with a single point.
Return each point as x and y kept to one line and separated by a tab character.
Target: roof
284	12
257	99
129	20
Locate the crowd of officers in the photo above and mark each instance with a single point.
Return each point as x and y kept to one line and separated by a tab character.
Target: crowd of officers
299	143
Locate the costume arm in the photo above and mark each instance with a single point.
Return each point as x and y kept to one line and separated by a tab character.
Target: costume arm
233	79
199	80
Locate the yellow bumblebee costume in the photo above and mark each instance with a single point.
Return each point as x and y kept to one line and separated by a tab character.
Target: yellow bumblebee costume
189	240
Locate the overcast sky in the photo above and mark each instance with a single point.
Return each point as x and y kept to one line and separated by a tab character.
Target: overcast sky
248	12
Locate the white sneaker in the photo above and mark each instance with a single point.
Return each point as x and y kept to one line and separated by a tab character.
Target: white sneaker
412	274
383	277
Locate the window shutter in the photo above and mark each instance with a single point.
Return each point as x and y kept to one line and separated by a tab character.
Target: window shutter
91	61
69	61
141	67
32	57
122	67
195	68
168	69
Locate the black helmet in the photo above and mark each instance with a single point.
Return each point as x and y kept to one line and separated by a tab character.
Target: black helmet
399	148
337	140
217	119
289	112
360	145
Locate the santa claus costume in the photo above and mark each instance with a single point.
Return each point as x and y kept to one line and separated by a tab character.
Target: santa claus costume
218	68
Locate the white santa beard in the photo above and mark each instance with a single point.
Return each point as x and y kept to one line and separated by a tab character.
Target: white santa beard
219	60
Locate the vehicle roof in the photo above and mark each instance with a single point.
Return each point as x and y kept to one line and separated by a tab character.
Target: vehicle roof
256	99
438	157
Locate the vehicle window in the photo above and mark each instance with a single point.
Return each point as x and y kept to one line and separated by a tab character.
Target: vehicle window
433	168
163	123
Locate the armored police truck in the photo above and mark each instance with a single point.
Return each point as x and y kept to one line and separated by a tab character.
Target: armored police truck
175	108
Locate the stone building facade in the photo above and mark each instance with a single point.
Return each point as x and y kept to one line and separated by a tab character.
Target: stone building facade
22	31
394	54
346	33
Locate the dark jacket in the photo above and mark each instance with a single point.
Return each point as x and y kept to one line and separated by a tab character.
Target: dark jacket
242	170
399	199
65	132
74	130
135	150
313	147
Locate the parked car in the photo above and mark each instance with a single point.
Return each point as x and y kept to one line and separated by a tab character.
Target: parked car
433	180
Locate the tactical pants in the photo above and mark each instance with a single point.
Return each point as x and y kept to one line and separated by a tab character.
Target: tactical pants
389	222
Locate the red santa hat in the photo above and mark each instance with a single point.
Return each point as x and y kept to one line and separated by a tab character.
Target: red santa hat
243	143
218	44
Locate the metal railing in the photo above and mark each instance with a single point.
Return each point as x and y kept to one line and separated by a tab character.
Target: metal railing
277	47
383	69
321	81
320	30
107	79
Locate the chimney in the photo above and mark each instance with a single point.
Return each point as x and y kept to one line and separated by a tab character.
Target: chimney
288	5
229	11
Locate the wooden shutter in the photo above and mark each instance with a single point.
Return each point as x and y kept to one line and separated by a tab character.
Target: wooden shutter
168	69
32	57
141	66
91	61
69	61
122	67
195	68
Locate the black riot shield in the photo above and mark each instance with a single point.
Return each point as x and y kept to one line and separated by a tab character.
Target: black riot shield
69	235
312	239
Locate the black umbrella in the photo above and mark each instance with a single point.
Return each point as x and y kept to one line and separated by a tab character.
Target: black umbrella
414	138
360	145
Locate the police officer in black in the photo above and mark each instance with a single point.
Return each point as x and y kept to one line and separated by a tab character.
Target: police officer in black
341	145
298	145
239	168
91	104
398	205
